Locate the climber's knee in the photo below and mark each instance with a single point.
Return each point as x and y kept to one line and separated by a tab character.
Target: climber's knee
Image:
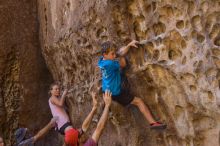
137	101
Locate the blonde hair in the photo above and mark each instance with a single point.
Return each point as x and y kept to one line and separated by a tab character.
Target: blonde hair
51	87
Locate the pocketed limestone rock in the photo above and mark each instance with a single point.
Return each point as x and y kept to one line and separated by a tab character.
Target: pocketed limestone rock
175	70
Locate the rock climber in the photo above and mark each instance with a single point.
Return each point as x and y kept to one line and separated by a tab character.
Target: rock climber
114	79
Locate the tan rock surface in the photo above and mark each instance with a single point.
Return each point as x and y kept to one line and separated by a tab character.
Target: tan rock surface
176	71
24	77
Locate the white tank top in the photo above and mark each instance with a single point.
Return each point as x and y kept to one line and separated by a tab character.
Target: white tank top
59	112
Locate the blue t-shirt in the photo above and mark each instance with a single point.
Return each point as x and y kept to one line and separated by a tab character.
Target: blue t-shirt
111	78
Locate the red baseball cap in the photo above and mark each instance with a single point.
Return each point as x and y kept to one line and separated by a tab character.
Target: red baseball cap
71	137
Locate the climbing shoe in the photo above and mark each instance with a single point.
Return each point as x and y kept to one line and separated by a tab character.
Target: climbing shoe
158	126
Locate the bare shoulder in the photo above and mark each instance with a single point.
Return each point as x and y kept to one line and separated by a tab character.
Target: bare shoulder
52	99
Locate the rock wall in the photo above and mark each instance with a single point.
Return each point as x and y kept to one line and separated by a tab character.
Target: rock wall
175	70
24	77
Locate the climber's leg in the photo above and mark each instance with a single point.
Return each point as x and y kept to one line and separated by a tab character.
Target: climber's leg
146	112
144	109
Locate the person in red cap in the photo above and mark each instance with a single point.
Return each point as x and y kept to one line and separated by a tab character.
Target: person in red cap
72	136
93	140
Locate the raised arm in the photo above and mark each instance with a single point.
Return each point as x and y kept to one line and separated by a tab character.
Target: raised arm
88	119
57	101
44	130
124	50
101	124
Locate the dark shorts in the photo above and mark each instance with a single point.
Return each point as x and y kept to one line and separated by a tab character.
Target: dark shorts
90	142
124	98
62	129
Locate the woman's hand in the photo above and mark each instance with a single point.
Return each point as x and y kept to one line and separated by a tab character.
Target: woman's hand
94	99
65	92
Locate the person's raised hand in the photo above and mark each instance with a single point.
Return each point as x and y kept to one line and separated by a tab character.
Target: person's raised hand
94	99
65	91
107	97
133	43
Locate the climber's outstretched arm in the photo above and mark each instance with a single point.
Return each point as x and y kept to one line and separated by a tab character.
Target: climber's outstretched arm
101	124
88	119
124	50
